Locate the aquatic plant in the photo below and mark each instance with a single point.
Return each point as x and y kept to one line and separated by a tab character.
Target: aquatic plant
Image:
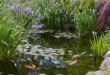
53	13
84	16
83	5
85	22
100	45
11	34
67	4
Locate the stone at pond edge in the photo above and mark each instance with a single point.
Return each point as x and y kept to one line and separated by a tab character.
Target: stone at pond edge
97	73
107	54
105	64
67	35
10	74
0	73
90	73
42	74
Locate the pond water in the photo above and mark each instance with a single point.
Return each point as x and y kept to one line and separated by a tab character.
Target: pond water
71	46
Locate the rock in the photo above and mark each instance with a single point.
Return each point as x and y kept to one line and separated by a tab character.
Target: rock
25	41
59	63
105	64
46	64
90	73
94	33
100	73
91	55
97	73
67	35
42	74
107	54
61	52
35	48
57	36
70	53
20	49
1	73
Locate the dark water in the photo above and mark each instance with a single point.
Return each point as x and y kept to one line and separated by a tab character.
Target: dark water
76	45
85	63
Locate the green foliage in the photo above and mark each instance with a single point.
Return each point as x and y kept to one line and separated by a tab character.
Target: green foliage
87	4
84	5
67	5
84	16
85	22
53	12
11	33
100	45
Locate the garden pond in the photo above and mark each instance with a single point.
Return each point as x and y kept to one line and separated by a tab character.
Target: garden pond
61	48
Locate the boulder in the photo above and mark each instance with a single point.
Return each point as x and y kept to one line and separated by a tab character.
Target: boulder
90	73
100	73
107	54
42	74
105	64
97	73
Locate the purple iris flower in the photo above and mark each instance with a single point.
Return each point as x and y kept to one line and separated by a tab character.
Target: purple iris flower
17	0
39	17
10	0
27	1
14	8
36	26
28	10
